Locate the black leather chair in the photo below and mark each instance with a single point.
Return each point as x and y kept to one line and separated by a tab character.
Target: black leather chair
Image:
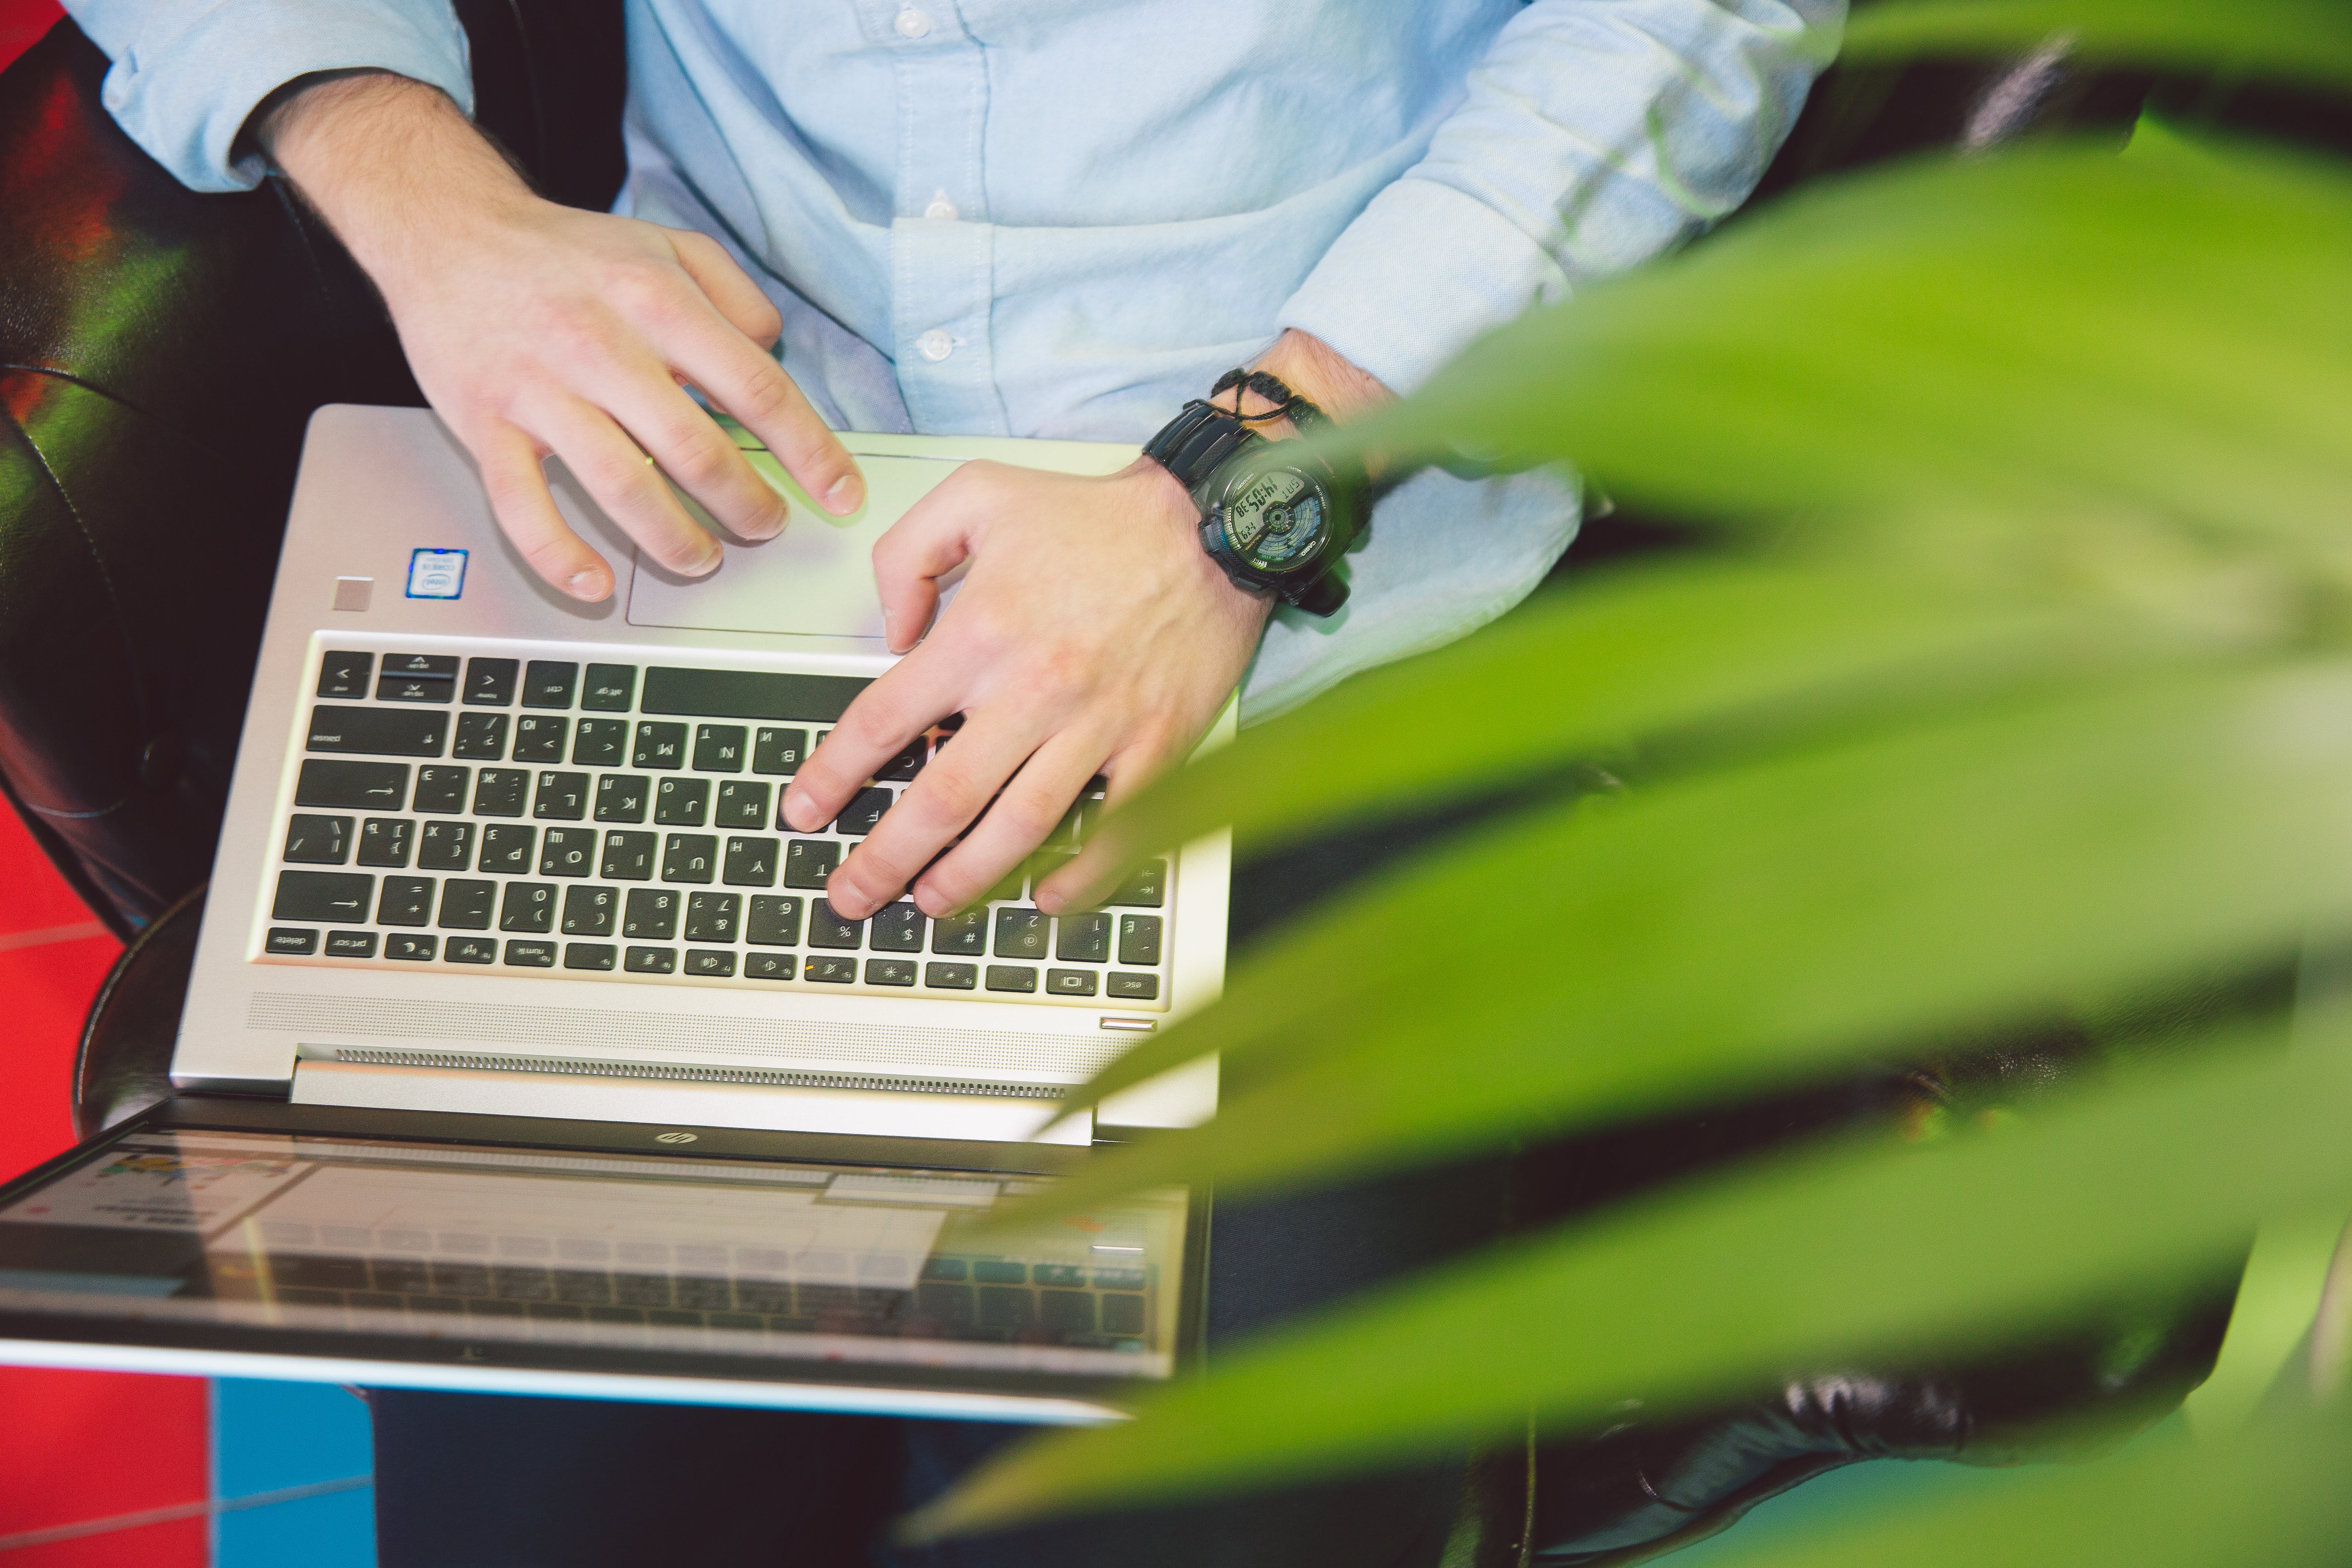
160	352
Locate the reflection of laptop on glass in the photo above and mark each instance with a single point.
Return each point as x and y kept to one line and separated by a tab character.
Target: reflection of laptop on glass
522	1052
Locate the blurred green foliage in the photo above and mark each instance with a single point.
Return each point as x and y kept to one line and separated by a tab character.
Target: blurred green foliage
2018	686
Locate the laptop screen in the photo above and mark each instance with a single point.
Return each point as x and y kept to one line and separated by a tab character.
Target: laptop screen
550	1256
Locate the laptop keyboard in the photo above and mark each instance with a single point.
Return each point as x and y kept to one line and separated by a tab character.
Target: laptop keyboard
499	814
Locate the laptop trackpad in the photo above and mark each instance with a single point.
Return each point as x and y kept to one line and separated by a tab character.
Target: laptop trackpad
814	579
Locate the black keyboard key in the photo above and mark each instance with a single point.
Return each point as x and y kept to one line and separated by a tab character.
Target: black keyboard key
547	683
651	961
378	786
540	737
951	976
318	840
344	674
417	947
600	743
718	748
713	917
1138	940
567	852
591	911
706	962
1006	1309
741	804
481	737
351	944
778	751
1070	982
751	862
500	792
439	665
467	905
652	914
588	955
323	896
774	921
682	803
530	954
1066	1311
1083	939
470	950
407	901
1146	884
377	732
1122	1314
769	965
1011	977
445	847
748	694
863	810
390	688
659	746
507	846
529	907
622	797
491	682
628	856
1021	933
441	789
291	942
831	970
826	929
965	934
905	765
610	688
561	797
898	928
689	857
808	862
1132	987
889	971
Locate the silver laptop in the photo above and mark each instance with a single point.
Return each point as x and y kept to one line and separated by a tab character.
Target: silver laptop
523	1053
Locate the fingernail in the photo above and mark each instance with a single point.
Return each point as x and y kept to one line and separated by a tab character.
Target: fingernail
932	904
797	814
588	584
705	563
848	493
772	528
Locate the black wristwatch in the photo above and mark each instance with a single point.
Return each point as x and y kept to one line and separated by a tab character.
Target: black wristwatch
1276	518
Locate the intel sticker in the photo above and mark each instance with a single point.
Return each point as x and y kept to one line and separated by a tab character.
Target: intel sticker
436	573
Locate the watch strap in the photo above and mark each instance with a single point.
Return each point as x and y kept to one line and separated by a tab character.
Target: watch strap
1197	440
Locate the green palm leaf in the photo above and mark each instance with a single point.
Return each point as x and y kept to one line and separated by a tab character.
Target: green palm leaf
2308	40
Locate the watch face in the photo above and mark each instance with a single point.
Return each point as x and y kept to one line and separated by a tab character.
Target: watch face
1276	519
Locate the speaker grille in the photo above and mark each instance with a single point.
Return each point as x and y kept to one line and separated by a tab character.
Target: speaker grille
891	1052
680	1072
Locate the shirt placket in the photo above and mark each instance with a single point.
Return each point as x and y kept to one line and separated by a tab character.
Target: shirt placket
941	243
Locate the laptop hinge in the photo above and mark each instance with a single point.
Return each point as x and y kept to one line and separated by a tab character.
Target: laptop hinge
578	1097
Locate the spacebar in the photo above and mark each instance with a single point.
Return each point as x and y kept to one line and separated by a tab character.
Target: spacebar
748	694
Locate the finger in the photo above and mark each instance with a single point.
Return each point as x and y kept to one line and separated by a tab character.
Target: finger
945	799
906	701
1087	880
742	378
698	457
746	309
1020	818
930	540
516	486
627	485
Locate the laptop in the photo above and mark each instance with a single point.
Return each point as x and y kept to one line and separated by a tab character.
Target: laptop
523	1053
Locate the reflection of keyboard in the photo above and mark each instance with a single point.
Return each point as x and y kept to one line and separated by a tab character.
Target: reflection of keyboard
617	820
972	1299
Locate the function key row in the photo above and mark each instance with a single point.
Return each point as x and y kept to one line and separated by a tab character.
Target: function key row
486	682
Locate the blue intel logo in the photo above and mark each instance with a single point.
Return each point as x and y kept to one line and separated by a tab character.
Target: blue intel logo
436	573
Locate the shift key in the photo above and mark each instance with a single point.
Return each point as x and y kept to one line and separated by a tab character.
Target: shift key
378	732
323	896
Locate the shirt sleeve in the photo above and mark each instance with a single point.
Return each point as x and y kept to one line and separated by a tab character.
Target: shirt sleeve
188	73
1593	135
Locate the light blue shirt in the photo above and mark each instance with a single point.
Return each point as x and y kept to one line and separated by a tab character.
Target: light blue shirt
1064	217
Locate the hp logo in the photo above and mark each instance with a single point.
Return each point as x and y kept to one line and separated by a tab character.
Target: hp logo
674	1138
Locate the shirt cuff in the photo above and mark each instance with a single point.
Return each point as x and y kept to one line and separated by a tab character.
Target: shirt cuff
1423	269
186	84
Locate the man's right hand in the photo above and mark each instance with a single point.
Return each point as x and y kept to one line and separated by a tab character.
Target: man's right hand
534	328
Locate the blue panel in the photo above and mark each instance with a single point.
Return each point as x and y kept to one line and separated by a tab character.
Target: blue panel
268	1437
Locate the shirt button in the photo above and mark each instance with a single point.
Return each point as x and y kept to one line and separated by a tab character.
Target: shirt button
913	24
942	208
935	345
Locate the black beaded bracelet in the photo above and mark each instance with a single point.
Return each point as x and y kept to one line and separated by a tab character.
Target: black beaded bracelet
1304	415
